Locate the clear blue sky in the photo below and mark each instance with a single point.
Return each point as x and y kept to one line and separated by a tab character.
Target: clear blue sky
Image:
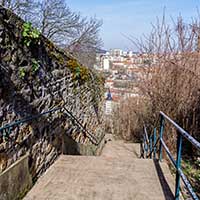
131	17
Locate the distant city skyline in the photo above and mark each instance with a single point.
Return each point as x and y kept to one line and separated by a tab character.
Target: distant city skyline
133	18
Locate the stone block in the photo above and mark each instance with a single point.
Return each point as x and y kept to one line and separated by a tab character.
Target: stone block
15	181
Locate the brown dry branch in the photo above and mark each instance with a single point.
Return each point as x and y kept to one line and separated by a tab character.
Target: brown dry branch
170	80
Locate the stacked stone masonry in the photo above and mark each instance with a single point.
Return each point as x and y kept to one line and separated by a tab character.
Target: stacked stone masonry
34	78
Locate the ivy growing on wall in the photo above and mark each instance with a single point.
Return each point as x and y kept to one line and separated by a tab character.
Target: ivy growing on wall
35	65
22	72
32	70
30	34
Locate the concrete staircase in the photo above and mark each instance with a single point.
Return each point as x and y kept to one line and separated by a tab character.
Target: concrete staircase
118	174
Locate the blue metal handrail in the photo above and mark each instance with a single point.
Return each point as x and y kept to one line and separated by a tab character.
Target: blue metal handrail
27	119
149	149
5	130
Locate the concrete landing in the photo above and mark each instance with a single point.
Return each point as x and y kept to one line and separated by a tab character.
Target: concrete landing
120	149
116	175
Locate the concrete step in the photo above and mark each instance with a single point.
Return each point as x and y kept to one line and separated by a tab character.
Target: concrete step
116	175
120	148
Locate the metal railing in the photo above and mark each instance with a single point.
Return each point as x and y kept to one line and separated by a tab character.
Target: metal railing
150	146
6	130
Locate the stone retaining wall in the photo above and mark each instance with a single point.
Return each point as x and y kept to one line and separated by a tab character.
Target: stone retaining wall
36	76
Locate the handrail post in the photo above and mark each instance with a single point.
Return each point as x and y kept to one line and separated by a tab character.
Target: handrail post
162	123
178	165
154	143
146	141
150	146
141	150
145	147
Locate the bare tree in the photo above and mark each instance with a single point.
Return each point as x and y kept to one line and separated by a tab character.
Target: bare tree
86	41
69	29
3	2
23	8
56	21
170	80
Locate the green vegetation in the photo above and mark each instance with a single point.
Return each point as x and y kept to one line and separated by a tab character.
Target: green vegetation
22	72
192	170
35	65
30	34
34	68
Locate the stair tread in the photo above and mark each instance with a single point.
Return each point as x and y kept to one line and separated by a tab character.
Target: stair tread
113	175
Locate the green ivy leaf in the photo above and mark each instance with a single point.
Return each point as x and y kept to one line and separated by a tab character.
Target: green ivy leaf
35	65
78	71
30	34
35	33
27	26
22	72
24	34
28	42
